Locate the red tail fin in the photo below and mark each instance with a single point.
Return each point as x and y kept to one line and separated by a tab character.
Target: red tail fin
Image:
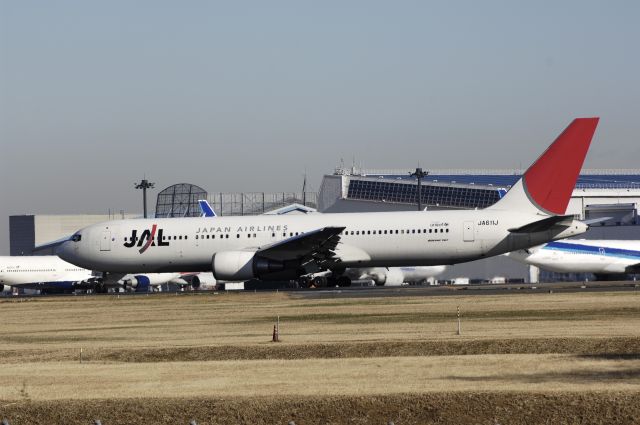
549	182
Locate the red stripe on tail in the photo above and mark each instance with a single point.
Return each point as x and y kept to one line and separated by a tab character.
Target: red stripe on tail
549	182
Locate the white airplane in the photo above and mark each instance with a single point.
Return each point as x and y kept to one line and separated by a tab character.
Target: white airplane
283	247
600	257
388	276
395	276
144	281
49	273
44	273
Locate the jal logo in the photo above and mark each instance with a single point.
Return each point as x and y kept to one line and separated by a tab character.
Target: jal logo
147	238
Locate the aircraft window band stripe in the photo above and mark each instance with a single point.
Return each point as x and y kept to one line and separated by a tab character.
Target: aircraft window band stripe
590	249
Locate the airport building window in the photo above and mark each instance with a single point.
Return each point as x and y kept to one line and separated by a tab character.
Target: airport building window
431	194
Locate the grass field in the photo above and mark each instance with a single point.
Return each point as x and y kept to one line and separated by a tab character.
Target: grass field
521	358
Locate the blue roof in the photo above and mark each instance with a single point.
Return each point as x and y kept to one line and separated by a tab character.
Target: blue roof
585	181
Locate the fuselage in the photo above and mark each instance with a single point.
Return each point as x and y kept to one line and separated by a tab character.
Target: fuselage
583	256
387	239
40	272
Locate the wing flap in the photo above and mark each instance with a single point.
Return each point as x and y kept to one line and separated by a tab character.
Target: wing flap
317	245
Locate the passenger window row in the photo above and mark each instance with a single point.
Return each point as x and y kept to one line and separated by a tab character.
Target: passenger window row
291	234
395	231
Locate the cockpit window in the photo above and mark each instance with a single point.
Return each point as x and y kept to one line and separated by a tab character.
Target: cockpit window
77	237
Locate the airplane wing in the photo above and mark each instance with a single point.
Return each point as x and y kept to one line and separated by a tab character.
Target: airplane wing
544	224
317	246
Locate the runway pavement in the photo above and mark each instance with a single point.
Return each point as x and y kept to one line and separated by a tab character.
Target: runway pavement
483	289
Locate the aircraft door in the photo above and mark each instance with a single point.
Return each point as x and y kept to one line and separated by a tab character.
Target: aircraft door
468	232
105	241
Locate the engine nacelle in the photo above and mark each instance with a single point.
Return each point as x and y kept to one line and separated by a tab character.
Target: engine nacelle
204	281
6	288
242	266
391	277
137	283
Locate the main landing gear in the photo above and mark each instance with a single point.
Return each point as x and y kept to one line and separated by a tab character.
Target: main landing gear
323	281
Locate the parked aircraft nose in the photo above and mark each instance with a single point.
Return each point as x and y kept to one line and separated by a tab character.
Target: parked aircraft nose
69	250
65	251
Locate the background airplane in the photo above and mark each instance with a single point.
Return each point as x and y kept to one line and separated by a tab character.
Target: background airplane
600	257
141	282
44	273
49	273
396	276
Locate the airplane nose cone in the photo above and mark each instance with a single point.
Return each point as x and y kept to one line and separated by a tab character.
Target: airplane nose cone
65	251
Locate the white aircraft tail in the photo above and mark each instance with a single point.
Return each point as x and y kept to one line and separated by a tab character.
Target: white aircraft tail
546	187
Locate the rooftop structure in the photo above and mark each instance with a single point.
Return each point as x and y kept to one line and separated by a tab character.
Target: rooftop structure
353	189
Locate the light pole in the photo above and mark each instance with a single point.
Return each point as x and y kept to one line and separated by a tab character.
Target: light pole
419	174
144	185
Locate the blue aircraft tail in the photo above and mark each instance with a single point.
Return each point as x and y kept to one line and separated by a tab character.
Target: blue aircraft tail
206	209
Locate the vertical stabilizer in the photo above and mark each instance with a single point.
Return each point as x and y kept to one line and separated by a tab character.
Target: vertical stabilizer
547	185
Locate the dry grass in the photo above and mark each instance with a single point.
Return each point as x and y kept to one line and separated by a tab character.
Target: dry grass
247	319
608	408
320	377
336	354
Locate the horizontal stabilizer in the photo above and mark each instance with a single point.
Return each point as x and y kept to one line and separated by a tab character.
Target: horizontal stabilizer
593	221
544	224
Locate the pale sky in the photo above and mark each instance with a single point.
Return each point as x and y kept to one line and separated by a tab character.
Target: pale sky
246	96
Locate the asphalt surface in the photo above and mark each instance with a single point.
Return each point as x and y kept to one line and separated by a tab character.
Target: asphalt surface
413	291
484	289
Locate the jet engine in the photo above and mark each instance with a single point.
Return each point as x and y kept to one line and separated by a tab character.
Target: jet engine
136	283
242	265
204	281
391	277
5	288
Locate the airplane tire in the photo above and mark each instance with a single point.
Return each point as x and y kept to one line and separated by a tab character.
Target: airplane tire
320	282
304	282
